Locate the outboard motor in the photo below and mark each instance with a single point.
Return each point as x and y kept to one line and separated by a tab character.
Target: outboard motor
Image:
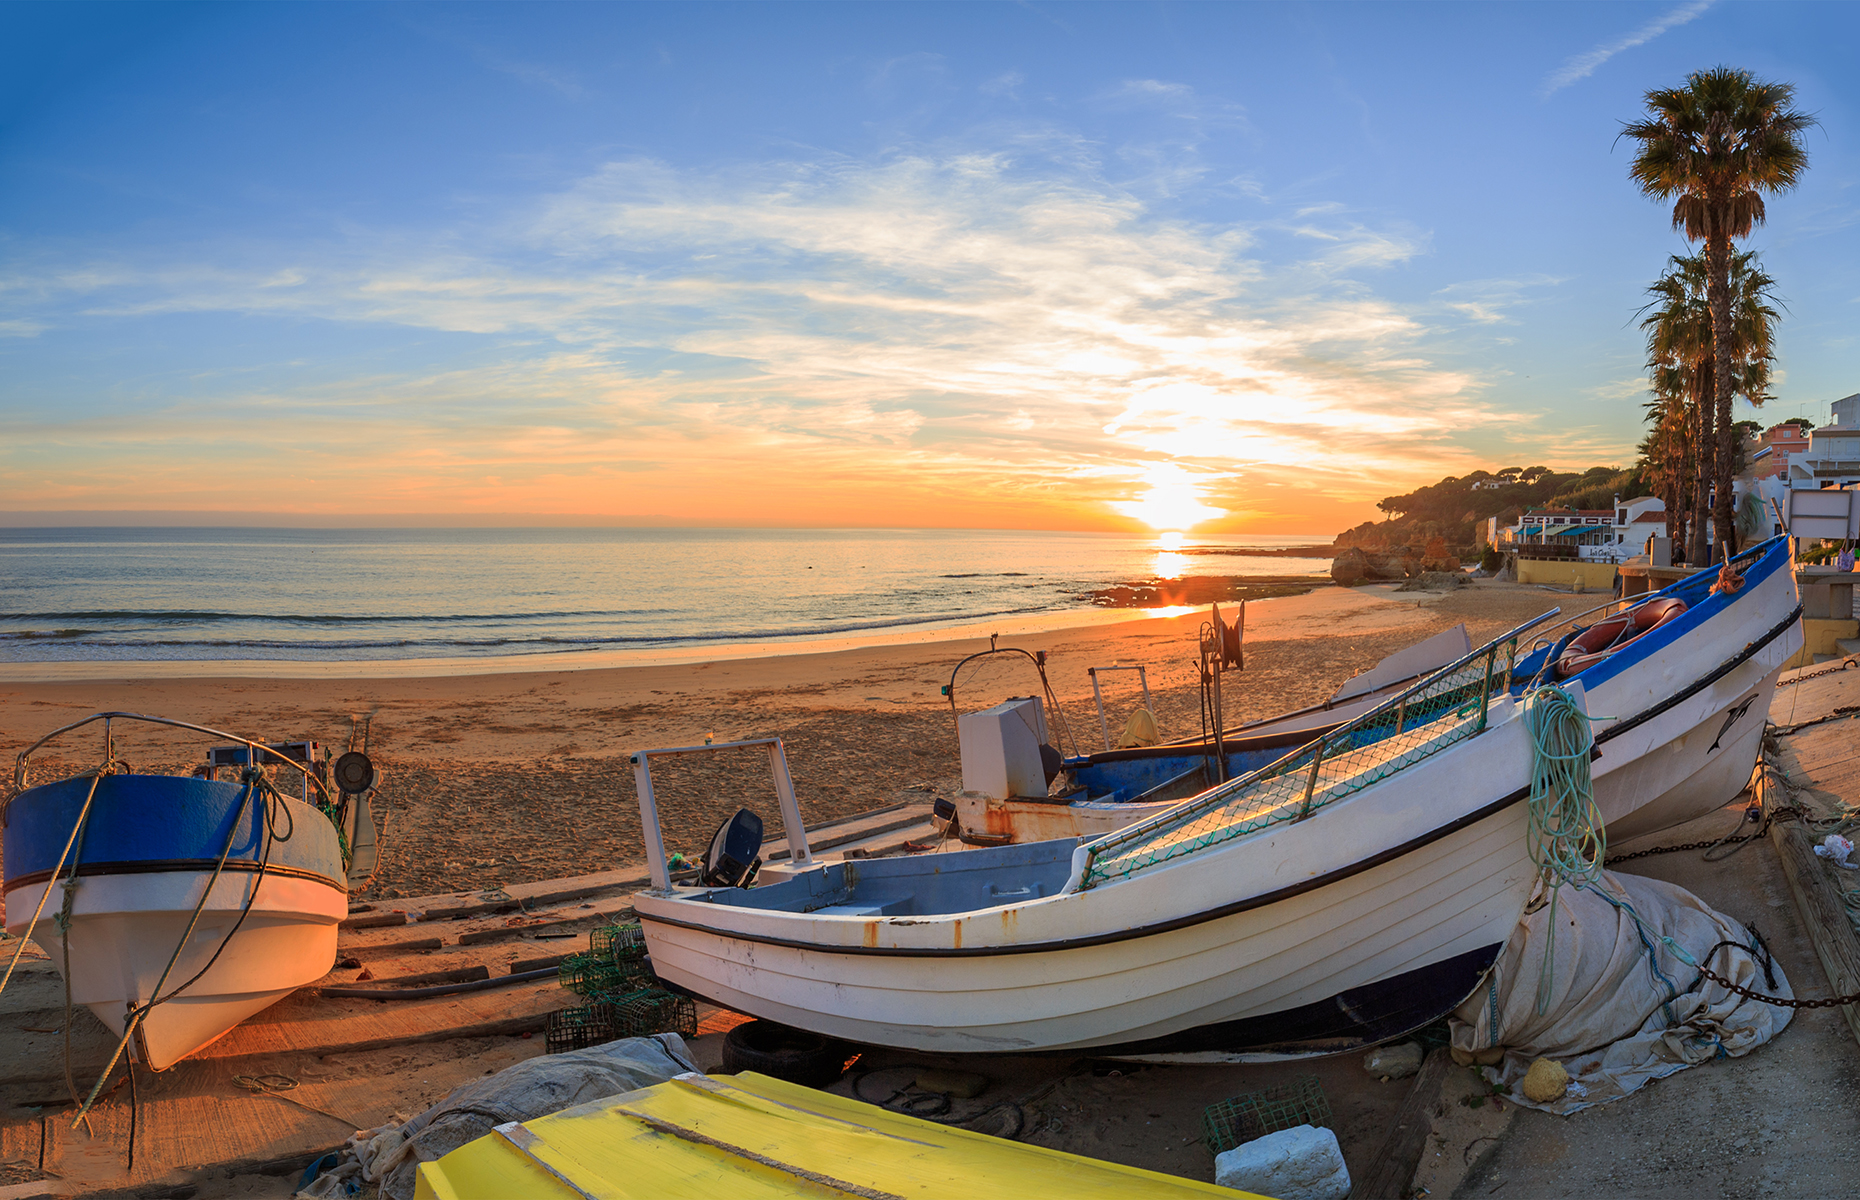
735	853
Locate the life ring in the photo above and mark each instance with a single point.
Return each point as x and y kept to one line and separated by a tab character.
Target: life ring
1603	638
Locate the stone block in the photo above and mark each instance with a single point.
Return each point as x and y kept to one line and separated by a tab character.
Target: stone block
1302	1163
1394	1062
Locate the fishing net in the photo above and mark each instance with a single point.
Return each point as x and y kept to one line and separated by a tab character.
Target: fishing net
1255	1114
1442	710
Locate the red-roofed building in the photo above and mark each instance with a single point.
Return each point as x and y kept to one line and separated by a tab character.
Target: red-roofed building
1770	459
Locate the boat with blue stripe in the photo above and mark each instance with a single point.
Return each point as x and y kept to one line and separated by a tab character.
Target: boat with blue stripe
177	906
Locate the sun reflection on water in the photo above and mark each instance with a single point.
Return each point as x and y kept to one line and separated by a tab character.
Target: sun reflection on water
1170	565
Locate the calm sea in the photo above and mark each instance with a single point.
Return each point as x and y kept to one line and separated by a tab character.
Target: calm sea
350	594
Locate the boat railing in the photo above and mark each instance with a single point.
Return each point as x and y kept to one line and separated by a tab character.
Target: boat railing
258	751
1614	607
656	865
1449	705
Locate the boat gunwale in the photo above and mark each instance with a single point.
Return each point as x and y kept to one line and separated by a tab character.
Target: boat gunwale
1264	899
176	866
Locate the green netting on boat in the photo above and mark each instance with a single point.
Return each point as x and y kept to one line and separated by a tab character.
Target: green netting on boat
1255	1114
1421	722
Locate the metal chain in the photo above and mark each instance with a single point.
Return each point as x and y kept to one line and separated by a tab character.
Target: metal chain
1846	664
1784	812
1778	1001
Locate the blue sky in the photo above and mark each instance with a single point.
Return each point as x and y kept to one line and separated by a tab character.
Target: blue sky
968	265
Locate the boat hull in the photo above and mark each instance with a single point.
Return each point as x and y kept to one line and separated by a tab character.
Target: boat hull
1223	950
146	863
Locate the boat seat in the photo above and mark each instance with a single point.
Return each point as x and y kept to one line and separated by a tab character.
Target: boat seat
899	906
1604	638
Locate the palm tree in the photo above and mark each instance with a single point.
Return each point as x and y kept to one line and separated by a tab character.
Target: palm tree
1687	372
1713	147
1667	455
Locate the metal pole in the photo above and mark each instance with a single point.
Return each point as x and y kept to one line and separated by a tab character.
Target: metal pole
1317	760
1144	679
1104	731
1220	742
790	808
649	823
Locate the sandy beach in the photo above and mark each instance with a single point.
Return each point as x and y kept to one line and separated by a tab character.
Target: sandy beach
515	775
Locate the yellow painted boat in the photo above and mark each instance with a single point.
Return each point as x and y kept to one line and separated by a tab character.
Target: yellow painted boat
747	1135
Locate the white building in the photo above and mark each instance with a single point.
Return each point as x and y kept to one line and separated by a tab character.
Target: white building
1591	535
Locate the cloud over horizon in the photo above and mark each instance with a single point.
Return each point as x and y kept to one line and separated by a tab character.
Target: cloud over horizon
937	333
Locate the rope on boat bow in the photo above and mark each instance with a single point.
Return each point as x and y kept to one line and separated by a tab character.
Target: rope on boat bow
1566	838
255	783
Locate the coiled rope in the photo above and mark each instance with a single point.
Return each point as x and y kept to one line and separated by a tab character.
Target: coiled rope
1565	838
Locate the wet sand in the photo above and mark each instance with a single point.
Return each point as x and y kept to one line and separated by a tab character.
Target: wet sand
513	776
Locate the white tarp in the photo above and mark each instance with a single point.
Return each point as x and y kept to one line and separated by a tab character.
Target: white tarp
1613	1020
392	1154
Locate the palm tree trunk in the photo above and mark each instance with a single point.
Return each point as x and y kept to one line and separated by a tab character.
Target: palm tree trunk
1704	413
1677	461
1718	294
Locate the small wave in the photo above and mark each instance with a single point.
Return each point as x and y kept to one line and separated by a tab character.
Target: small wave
114	642
207	617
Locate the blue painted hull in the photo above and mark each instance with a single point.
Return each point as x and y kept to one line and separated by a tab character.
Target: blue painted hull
146	883
152	823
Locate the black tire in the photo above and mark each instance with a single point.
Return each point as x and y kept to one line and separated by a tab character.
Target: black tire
786	1053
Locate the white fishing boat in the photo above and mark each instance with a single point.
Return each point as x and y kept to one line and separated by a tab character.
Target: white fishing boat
1685	674
1321	902
1350	892
1104	791
191	903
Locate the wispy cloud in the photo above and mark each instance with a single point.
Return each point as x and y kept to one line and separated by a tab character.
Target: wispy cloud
925	336
1583	65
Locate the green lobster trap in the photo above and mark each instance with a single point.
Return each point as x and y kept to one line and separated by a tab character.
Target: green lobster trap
639	1013
615	963
625	942
1255	1114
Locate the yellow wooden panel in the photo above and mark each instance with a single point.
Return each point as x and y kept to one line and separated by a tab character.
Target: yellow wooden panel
748	1136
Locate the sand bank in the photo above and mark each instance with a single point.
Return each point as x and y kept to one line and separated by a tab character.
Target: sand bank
510	774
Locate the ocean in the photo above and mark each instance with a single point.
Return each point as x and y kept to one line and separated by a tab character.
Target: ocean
320	595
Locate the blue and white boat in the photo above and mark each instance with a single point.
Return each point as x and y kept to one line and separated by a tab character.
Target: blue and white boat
1105	790
1626	653
178	906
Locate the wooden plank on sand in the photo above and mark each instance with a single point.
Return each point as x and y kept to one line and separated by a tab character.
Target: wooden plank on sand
305	1026
1394	1163
1817	897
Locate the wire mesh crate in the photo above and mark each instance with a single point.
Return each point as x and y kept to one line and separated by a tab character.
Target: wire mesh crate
1255	1114
580	1027
596	975
652	1010
622	943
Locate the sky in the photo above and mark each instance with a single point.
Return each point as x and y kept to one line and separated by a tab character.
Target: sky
1231	268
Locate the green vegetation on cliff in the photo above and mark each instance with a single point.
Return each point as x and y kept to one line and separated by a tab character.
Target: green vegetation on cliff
1453	507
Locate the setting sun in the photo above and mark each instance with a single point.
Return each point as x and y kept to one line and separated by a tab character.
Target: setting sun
1172	502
